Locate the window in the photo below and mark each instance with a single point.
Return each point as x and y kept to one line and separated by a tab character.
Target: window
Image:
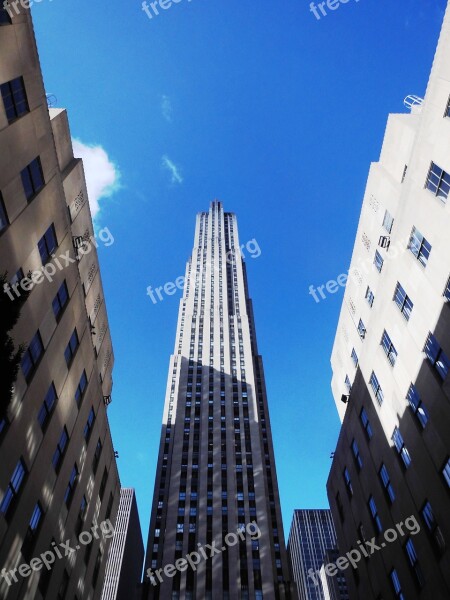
63	586
362	329
433	528
385	480
366	423
388	221
419	246
5	19
32	356
14	96
378	261
103	484
60	449
47	244
436	356
340	506
348	482
376	388
60	300
401	448
13	488
32	179
33	527
369	297
71	348
348	385
89	425
45	411
403	301
98	564
417	406
357	455
447	109
447	290
375	516
396	585
68	496
446	472
389	348
414	562
354	357
438	182
82	385
4	222
97	454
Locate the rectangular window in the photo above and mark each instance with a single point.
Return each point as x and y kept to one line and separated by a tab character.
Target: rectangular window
33	527
13	488
348	385
419	246
378	261
32	179
103	484
403	301
446	473
389	348
361	329
68	496
47	244
354	357
433	528
60	300
385	480
46	409
437	356
4	222
401	448
376	388
348	482
71	348
5	19
98	564
14	98
82	385
438	182
375	516
388	221
369	297
89	425
396	585
340	506
60	449
97	454
447	109
366	423
447	290
414	562
357	455
32	356
417	406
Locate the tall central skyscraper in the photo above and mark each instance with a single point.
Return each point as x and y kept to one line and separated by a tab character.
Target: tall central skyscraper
216	468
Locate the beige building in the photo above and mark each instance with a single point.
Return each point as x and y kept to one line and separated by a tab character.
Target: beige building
58	476
391	359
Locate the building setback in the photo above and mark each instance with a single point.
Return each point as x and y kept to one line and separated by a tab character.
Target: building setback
390	479
312	542
126	552
216	469
58	476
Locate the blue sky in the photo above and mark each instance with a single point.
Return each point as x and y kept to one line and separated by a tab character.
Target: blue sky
273	112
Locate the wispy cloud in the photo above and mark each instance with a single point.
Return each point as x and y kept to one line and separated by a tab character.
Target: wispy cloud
166	108
102	175
173	169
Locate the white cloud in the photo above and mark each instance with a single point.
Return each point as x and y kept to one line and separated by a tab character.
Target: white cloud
174	170
102	175
166	108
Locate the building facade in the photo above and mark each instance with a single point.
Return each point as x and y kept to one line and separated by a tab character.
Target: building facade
126	552
58	475
390	479
216	470
312	542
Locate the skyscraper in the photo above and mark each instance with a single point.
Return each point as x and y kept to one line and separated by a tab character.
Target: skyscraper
312	541
216	470
389	486
58	475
